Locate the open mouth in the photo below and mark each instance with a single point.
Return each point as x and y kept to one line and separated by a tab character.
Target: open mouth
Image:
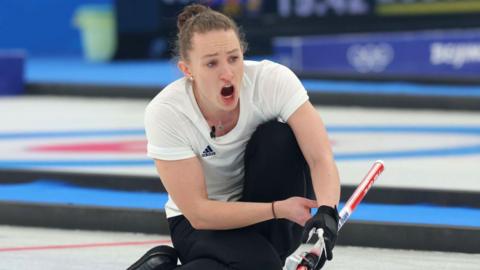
227	91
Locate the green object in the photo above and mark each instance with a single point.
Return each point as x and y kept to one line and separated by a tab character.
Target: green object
98	29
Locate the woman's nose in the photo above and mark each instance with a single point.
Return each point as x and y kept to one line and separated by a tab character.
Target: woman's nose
226	73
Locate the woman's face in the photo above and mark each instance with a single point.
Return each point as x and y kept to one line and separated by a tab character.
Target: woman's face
216	65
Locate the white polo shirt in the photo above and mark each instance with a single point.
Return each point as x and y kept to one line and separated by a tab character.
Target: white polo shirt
176	129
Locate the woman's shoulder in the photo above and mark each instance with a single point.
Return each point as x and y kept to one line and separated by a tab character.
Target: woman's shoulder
171	98
175	92
266	71
256	69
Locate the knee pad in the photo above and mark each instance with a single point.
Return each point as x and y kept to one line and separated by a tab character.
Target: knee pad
274	135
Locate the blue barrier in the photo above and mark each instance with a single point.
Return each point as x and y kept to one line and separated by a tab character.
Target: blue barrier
12	72
452	53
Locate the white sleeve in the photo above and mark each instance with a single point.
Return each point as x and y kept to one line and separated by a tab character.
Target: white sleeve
285	92
165	135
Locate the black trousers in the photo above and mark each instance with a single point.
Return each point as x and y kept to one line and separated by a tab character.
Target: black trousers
275	169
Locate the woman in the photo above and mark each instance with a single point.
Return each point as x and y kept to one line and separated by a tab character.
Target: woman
237	178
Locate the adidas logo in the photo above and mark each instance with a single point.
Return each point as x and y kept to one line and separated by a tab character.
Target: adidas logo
208	152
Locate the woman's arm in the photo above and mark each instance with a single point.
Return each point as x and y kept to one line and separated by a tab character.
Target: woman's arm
313	140
184	181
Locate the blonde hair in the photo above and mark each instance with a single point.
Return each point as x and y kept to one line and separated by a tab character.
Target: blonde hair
197	18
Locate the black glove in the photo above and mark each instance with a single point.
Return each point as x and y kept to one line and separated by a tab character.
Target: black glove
327	219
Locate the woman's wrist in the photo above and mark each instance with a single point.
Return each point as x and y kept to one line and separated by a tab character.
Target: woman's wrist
273	210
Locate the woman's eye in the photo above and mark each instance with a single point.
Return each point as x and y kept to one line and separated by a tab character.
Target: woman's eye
211	64
233	59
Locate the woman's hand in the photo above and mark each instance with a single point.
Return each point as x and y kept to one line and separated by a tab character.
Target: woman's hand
296	209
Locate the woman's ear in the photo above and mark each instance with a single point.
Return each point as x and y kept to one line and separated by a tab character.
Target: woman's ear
184	69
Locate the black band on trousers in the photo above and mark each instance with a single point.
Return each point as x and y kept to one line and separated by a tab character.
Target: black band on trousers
274	170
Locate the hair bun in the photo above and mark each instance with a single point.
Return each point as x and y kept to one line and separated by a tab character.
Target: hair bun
189	12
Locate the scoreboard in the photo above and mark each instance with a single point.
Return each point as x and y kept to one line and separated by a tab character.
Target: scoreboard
147	28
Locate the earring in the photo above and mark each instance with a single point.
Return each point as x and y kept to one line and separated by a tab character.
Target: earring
190	78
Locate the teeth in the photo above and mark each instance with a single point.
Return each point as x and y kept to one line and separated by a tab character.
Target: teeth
228	85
